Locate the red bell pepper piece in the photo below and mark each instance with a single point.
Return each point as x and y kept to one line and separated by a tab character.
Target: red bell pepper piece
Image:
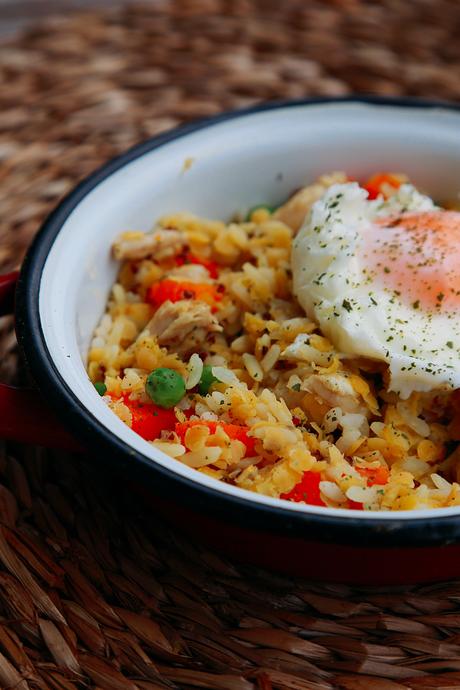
148	420
306	491
377	475
174	291
234	431
375	185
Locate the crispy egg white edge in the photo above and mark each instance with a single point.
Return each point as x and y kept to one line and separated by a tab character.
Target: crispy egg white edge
360	319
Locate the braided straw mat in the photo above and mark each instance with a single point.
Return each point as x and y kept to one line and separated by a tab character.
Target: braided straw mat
93	592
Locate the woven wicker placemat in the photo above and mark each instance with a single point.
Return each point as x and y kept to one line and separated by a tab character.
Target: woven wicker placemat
93	591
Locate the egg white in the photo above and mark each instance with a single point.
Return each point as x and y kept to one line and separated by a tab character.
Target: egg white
360	317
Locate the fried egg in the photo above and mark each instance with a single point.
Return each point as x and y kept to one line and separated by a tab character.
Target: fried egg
382	280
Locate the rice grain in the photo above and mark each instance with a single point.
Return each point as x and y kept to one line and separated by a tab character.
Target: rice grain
253	367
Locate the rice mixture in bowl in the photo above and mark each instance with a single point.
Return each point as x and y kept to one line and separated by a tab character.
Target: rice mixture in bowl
308	353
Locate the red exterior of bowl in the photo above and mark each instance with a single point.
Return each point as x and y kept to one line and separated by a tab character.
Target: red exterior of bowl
318	561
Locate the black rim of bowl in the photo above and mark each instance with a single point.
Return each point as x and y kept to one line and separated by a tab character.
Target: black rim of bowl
115	454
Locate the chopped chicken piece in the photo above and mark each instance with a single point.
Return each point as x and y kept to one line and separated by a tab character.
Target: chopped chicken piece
138	245
293	212
336	390
176	321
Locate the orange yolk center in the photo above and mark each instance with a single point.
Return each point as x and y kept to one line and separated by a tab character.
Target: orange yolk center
417	257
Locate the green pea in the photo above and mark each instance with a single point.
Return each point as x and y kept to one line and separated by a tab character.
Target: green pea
270	209
100	387
165	387
206	380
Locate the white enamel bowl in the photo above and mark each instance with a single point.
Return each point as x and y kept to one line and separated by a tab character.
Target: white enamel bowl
237	160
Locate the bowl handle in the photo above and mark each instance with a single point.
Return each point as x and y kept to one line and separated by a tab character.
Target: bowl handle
24	415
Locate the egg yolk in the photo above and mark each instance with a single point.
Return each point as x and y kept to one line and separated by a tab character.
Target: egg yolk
416	256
